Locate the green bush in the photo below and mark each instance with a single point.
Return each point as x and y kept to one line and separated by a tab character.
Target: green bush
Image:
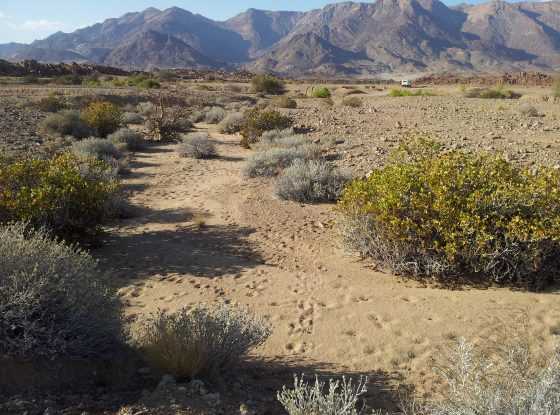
52	103
200	342
284	102
457	214
104	117
69	80
66	123
143	81
54	303
267	84
65	194
492	93
257	122
321	92
395	93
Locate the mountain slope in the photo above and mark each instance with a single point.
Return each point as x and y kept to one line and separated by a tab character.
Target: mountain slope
340	39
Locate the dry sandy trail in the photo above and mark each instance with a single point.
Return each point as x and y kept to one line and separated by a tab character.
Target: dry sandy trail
283	260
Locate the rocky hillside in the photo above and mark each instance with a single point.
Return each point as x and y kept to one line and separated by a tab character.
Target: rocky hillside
349	38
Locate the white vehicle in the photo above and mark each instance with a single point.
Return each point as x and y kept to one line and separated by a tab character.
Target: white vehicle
406	83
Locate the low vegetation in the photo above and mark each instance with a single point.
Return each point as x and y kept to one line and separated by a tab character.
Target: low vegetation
66	194
258	122
528	110
352	101
199	342
54	303
267	84
52	103
102	116
232	123
452	214
272	161
492	93
130	139
166	123
132	118
320	92
396	93
214	115
284	102
197	146
311	181
66	123
336	398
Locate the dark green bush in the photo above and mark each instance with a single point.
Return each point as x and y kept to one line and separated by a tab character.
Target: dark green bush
267	84
257	122
320	92
452	214
104	117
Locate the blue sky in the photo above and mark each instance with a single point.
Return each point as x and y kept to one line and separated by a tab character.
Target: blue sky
24	21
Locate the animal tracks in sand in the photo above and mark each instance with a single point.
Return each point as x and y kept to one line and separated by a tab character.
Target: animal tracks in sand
206	234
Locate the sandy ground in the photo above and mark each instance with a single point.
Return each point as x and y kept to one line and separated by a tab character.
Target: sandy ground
283	260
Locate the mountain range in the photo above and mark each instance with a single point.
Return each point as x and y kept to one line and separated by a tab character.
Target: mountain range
350	39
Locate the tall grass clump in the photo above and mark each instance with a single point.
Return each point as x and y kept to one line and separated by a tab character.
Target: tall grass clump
203	341
454	214
267	84
311	181
66	194
130	139
197	146
54	303
336	398
66	123
232	123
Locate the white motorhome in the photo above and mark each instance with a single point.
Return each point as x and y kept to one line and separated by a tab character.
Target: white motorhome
406	83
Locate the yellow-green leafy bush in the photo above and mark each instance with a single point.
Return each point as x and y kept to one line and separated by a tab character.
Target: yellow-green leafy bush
66	194
267	84
435	213
257	122
104	117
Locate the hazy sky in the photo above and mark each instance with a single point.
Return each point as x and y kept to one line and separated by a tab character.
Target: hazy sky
27	20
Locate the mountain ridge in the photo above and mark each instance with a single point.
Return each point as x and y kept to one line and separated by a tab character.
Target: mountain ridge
348	38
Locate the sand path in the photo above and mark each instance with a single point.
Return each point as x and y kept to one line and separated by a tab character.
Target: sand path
284	261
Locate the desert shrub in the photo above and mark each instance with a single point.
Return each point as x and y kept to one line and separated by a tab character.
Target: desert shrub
104	117
395	93
284	102
98	148
311	181
353	102
232	123
132	118
257	122
65	194
267	84
196	145
167	123
167	76
197	116
456	213
289	141
200	342
274	135
133	140
492	93
528	110
339	398
320	92
143	81
53	300
66	123
272	161
69	80
52	103
146	108
215	115
505	380
556	89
